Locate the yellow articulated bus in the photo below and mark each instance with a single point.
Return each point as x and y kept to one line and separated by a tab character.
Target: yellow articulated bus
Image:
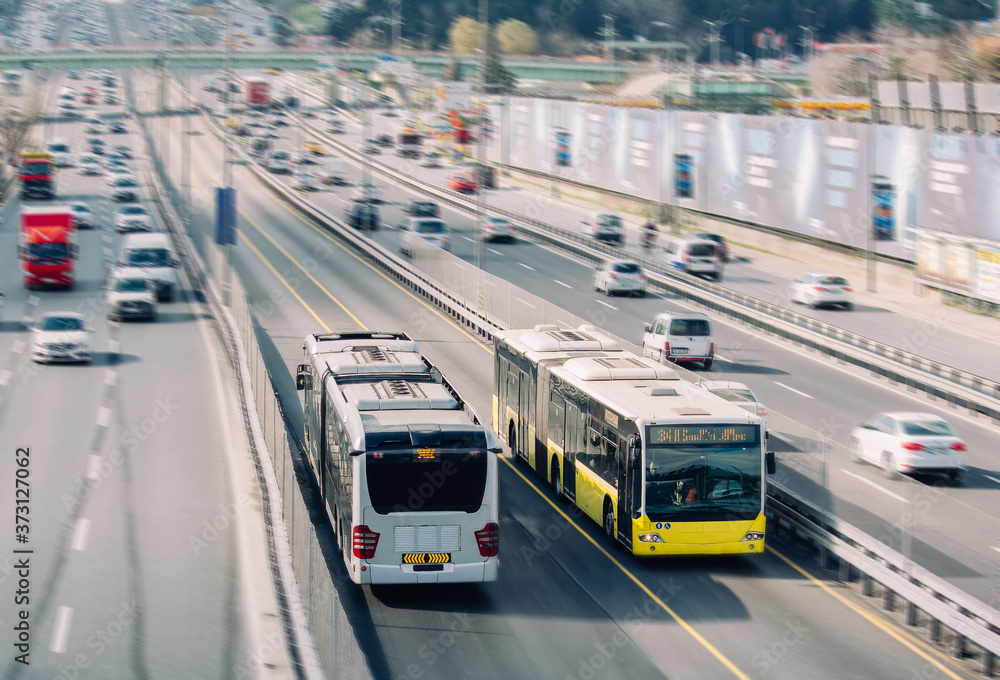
666	467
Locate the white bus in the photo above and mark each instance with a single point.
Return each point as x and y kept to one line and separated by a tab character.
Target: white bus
665	467
405	466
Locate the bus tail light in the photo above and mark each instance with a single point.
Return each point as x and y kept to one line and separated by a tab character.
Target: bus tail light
912	446
365	542
488	539
959	446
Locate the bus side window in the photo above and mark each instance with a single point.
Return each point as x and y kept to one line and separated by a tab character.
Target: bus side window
609	469
555	431
594	452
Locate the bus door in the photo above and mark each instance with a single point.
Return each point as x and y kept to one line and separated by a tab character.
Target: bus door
628	462
576	428
523	437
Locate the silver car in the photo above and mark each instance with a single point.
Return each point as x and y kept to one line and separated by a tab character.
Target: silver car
496	229
620	276
133	218
130	294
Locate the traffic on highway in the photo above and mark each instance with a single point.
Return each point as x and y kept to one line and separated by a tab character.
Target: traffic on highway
296	383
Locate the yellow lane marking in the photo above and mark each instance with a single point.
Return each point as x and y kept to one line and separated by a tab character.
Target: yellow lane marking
903	638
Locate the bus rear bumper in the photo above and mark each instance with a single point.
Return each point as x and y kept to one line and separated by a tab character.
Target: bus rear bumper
476	572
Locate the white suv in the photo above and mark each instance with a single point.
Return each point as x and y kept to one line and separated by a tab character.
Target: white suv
680	336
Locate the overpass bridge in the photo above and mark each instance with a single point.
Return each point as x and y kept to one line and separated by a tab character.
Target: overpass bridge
429	64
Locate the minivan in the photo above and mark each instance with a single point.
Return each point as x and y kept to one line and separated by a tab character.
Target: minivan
695	256
680	336
154	253
429	229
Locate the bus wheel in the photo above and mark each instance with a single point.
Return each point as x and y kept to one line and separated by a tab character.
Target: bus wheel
609	519
512	442
556	480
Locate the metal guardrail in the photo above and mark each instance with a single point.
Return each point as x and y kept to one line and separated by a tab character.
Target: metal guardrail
976	394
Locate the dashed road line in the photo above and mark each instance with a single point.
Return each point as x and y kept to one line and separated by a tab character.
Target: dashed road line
80	535
874	485
526	266
781	384
60	631
606	304
93	463
564	285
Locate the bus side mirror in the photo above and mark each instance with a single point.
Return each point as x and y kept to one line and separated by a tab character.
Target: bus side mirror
769	462
302	376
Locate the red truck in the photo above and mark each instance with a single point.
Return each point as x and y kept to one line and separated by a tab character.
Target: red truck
48	246
37	174
258	93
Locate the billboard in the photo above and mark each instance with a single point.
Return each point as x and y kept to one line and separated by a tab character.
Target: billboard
683	175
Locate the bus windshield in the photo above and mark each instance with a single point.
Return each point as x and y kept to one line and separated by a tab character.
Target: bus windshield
703	482
415	481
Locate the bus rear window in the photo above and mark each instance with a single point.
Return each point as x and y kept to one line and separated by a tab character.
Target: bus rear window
402	482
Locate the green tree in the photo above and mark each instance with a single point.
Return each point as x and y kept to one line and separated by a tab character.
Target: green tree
863	16
464	35
516	37
499	79
310	16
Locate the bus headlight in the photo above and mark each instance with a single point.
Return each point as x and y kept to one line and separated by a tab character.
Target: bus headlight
650	538
754	536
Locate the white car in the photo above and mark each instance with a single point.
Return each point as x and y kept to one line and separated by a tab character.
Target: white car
496	228
739	394
817	290
130	294
366	192
61	336
133	218
82	215
620	276
903	442
430	230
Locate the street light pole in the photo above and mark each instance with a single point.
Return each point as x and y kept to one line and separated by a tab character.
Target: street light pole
484	27
609	37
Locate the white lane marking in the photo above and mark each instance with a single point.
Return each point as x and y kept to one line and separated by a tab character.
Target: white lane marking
526	266
781	384
110	377
495	252
525	302
80	534
5	377
93	463
996	548
60	632
564	285
113	346
466	238
992	479
104	416
606	304
874	485
18	347
719	356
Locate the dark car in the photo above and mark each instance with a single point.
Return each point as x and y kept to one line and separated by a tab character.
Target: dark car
383	140
423	209
122	151
117	127
363	216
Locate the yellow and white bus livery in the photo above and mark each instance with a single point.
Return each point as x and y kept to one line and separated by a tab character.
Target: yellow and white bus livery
405	466
666	467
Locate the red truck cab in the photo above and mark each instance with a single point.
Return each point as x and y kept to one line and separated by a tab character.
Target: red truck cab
36	172
48	247
258	93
